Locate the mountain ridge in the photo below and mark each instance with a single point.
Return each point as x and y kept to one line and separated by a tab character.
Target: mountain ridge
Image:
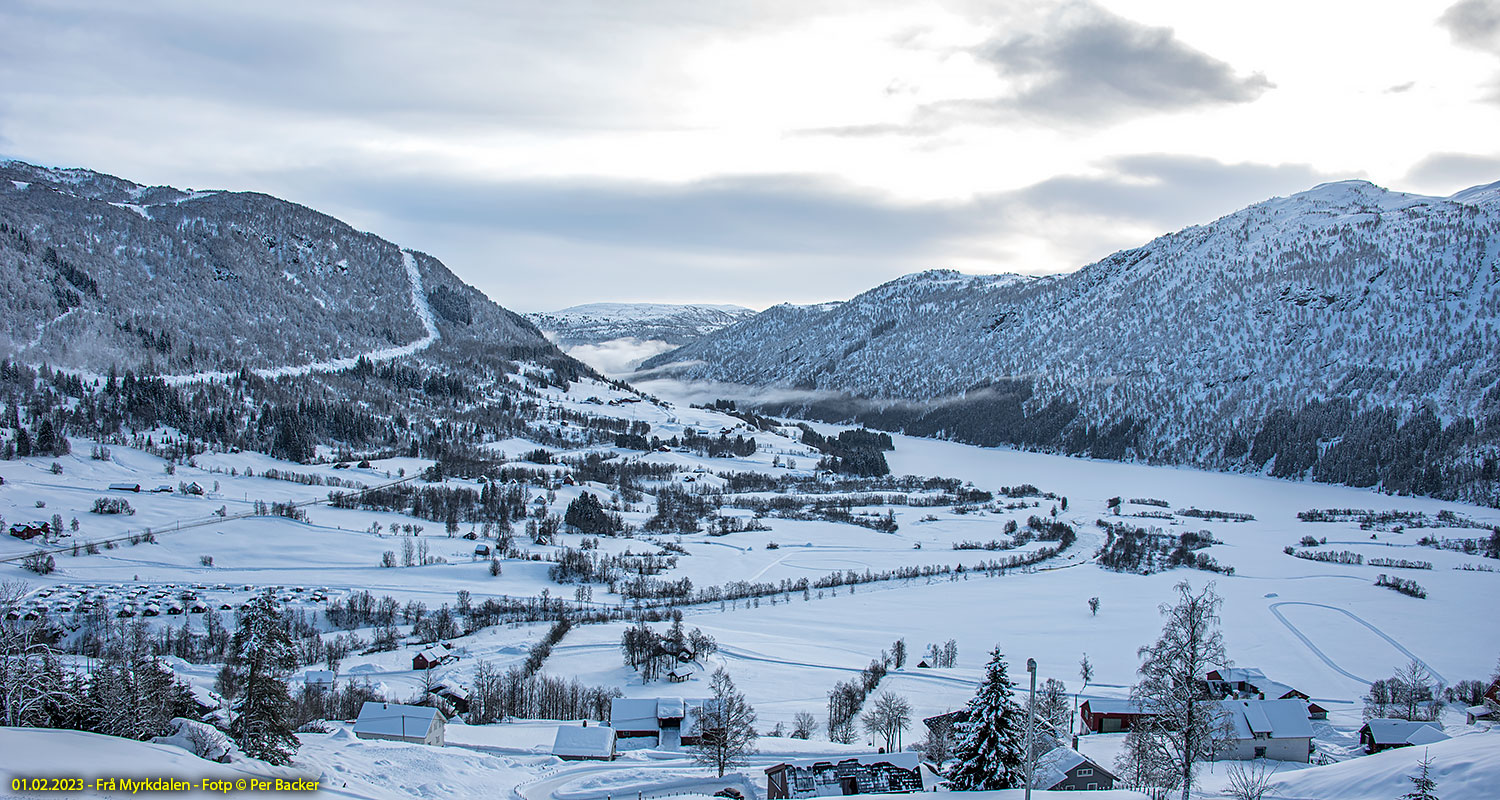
1295	336
107	273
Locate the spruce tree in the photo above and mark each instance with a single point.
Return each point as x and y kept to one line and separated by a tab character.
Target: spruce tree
260	656
1424	785
992	741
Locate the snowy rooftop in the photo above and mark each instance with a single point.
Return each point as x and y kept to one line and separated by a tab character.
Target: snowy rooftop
1280	719
394	719
1053	767
1400	731
577	741
1112	705
906	760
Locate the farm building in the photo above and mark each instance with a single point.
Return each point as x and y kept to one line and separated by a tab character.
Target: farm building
1109	715
668	720
1274	729
401	723
1234	681
1064	769
433	656
873	773
125	487
30	530
575	743
1384	734
456	696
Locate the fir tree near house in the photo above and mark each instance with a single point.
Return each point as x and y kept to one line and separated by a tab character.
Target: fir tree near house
993	741
260	656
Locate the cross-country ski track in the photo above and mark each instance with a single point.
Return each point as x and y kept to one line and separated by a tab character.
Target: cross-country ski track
1275	609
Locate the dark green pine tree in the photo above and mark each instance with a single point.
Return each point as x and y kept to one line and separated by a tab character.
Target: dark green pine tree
992	742
260	656
1424	785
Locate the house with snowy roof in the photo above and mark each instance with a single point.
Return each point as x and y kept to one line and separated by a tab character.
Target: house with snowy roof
667	720
584	743
401	723
1383	734
1274	729
871	773
1064	769
433	656
1111	715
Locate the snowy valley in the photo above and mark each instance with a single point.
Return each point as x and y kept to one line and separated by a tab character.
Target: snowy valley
468	559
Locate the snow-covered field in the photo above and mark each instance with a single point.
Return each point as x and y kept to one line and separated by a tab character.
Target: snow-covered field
1323	628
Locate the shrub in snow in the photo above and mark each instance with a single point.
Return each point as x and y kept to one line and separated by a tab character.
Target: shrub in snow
199	738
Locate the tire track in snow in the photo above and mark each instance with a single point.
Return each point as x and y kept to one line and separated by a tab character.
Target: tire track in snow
419	306
1275	609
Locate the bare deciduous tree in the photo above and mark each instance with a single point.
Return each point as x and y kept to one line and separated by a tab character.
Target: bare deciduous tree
1182	724
888	716
1250	781
727	726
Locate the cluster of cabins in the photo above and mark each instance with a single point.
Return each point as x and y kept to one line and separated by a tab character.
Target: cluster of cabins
1268	720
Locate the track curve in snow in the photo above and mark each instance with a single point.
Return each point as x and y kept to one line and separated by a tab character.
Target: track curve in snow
1275	609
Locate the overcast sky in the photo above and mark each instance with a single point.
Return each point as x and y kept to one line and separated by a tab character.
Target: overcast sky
756	152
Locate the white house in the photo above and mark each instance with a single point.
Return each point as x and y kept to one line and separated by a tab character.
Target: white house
584	743
401	723
1274	729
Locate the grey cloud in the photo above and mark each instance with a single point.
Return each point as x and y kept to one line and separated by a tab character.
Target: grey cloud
570	63
1474	23
1091	64
767	239
1446	173
1168	191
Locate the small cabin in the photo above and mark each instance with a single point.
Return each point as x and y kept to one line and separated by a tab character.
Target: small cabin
482	550
584	743
1064	769
125	487
30	530
1106	715
1385	734
401	723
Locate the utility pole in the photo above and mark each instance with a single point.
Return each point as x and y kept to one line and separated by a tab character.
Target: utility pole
1030	722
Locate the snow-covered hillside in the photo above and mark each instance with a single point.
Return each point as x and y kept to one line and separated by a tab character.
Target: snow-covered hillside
1301	333
102	272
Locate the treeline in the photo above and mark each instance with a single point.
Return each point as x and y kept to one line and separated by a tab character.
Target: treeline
496	695
1131	549
851	452
1327	556
1406	586
846	698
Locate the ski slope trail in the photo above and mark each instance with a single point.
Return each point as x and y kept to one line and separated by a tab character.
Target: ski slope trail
419	305
1275	609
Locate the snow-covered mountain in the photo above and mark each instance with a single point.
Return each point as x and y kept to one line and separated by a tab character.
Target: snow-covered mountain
595	323
1348	332
615	338
103	272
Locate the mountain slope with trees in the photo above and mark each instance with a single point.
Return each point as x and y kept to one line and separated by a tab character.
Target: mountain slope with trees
1348	334
101	272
